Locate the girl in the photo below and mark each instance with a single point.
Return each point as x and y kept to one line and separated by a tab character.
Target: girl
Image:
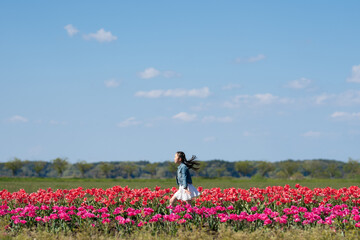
183	178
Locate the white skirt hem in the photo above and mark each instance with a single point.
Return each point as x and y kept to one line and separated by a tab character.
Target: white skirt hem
182	195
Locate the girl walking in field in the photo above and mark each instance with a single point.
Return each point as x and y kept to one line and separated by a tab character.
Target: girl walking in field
183	178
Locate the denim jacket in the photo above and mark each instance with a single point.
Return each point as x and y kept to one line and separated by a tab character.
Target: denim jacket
183	177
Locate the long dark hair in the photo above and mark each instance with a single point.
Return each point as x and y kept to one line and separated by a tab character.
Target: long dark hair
189	163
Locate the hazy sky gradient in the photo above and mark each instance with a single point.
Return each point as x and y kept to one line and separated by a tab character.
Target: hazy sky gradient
140	80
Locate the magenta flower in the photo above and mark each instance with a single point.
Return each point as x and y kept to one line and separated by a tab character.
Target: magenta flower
230	207
267	222
171	218
234	217
181	221
268	211
263	216
128	220
305	222
254	209
105	220
188	216
148	211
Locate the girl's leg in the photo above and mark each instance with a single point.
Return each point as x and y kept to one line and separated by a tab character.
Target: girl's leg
172	201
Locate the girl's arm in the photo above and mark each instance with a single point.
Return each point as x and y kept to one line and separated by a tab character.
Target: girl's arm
186	176
185	173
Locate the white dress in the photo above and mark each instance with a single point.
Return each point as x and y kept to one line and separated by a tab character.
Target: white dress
182	195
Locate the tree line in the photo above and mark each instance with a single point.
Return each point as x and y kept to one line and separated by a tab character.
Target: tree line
287	169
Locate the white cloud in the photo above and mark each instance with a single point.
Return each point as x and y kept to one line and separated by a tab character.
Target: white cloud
150	94
101	36
35	150
111	83
170	74
256	99
149	73
347	98
153	72
210	139
129	122
250	59
355	74
201	93
53	122
338	114
256	58
186	117
247	134
18	118
266	98
321	99
201	106
226	119
71	30
311	134
346	115
299	84
175	93
256	133
231	86
354	132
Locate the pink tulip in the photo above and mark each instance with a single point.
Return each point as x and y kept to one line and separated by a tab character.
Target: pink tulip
267	222
230	207
105	220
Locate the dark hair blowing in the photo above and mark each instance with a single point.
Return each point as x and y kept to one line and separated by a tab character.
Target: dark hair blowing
189	163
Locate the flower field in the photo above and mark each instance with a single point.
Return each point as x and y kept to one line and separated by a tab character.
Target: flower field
126	210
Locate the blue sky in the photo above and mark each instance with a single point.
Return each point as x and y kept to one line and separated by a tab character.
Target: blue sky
140	80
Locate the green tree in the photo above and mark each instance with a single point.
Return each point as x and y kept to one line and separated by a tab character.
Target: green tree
14	165
172	167
151	168
352	167
281	174
219	171
315	168
83	167
245	168
297	176
202	169
333	170
39	166
129	168
60	164
106	168
289	167
264	167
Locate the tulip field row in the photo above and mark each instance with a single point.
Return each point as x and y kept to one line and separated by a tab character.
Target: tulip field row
122	209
